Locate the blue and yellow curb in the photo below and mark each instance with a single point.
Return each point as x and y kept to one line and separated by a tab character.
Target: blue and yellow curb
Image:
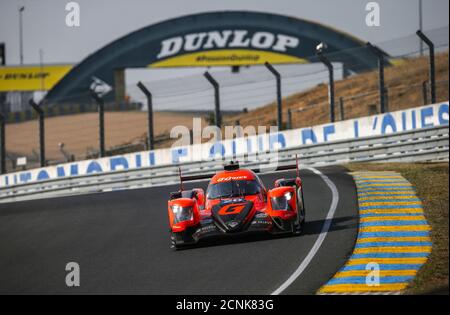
393	236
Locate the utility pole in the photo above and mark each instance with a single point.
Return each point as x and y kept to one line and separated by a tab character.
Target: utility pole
41	63
421	24
21	9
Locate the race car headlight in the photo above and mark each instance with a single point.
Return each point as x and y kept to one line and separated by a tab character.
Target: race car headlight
282	202
181	214
288	196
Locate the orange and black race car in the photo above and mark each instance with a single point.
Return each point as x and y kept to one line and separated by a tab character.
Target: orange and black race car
236	202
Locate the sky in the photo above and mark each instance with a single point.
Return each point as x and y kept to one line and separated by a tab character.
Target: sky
102	21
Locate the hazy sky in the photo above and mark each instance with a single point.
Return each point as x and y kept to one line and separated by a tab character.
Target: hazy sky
103	21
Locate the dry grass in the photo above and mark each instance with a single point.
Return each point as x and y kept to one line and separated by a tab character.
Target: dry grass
403	81
431	181
79	132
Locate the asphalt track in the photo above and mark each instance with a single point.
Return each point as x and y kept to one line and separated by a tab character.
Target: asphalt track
120	240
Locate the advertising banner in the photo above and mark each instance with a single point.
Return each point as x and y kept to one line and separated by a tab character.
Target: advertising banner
31	78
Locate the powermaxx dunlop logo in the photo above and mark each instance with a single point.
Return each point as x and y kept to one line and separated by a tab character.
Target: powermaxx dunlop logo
226	47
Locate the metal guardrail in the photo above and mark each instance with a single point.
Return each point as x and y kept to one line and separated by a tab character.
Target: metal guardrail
430	144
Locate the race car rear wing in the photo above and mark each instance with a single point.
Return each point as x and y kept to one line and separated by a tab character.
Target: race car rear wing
234	164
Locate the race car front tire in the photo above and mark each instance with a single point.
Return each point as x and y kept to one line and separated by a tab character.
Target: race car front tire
180	240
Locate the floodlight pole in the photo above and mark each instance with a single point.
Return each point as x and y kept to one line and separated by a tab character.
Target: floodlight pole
21	9
421	24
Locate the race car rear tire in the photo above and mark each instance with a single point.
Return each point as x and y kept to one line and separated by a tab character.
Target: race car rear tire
299	223
301	204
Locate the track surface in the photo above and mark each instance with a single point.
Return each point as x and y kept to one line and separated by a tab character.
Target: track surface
121	242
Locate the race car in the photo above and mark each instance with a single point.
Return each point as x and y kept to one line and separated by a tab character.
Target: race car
236	203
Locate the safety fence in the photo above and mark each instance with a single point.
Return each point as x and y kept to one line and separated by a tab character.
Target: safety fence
65	109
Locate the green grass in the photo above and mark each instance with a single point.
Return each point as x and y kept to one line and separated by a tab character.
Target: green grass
431	181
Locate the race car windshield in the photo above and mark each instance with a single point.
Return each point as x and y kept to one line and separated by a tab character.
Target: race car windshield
233	188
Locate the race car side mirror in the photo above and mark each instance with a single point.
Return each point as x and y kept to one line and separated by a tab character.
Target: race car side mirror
175	195
200	196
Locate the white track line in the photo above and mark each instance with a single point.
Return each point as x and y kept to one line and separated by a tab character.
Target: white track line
320	239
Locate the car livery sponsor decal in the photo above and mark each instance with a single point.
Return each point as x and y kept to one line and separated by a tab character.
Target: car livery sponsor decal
231	209
230	178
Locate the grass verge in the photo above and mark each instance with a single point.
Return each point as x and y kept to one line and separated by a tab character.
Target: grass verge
432	182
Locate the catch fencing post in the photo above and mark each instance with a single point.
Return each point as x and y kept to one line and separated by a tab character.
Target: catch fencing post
425	92
329	66
380	56
40	113
215	84
150	135
2	145
289	122
101	121
386	99
341	108
432	65
279	97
